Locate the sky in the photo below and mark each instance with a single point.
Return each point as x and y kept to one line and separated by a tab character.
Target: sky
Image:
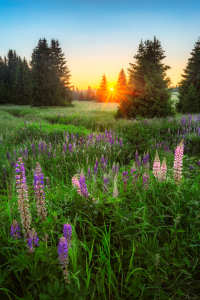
101	37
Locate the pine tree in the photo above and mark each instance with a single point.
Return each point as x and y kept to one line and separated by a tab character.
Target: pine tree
81	96
21	86
60	64
121	81
102	92
88	95
189	87
149	95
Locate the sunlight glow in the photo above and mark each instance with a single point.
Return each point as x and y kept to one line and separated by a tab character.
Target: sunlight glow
111	89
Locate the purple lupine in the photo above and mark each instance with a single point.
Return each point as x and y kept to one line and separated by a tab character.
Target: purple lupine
32	240
113	168
15	230
83	186
39	193
70	147
96	166
49	155
63	256
117	169
64	148
23	205
145	180
125	178
105	183
199	163
67	233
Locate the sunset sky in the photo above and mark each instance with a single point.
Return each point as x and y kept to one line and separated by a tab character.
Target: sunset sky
101	36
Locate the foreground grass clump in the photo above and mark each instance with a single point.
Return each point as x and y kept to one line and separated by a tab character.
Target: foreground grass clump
125	211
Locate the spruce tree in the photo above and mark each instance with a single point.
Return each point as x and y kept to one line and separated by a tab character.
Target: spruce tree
148	83
60	64
121	81
189	87
88	95
81	96
102	92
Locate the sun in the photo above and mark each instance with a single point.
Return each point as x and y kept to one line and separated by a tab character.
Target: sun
111	89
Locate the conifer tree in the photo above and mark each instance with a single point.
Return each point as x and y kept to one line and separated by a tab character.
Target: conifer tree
149	95
88	95
102	92
81	96
121	81
189	87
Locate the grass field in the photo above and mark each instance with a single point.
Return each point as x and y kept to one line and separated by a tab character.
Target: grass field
135	235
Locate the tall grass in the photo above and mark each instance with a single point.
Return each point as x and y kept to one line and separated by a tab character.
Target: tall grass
142	244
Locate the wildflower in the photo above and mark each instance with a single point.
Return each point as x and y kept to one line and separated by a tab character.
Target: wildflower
178	162
83	186
156	165
14	231
89	172
115	190
163	170
125	178
32	240
105	183
67	233
23	205
64	147
63	256
39	193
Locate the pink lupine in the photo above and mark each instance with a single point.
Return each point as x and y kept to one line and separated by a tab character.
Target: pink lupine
163	170
178	162
156	165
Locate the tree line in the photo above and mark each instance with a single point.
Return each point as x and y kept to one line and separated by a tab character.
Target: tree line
43	82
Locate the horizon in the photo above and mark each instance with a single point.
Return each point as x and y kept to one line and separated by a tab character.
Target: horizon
101	37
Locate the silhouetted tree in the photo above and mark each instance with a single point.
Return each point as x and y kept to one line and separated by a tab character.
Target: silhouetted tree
102	92
81	96
189	87
149	95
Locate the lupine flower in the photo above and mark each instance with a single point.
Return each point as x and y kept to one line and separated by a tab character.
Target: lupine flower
39	193
83	186
117	169
67	233
32	240
105	183
23	205
199	163
115	190
63	257
178	162
156	165
191	167
70	147
125	178
163	170
15	230
64	148
75	183
113	167
145	180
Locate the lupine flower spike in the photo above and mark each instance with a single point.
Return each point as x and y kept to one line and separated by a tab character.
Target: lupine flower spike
156	165
32	240
163	170
178	162
15	230
115	190
23	205
39	192
63	257
67	233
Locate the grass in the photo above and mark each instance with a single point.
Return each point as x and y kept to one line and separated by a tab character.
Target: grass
142	244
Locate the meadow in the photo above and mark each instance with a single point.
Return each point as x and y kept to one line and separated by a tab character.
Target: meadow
135	234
